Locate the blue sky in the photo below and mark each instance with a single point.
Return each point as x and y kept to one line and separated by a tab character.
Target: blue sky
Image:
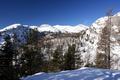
53	12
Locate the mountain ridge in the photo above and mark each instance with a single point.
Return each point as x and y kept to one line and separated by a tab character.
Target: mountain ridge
46	27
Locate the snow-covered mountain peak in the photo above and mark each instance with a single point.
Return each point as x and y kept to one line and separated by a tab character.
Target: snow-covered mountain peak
14	25
62	28
81	26
10	27
33	27
45	25
100	23
71	29
49	28
118	14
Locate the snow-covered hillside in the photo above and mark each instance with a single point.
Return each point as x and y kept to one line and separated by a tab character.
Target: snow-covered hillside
91	38
16	30
21	30
79	74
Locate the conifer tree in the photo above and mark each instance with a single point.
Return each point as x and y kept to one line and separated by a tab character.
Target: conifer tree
32	58
16	60
57	61
69	61
103	50
78	60
6	61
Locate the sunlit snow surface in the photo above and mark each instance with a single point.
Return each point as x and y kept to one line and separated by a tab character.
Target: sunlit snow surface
79	74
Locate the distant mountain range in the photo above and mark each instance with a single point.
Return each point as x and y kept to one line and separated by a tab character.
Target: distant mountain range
47	27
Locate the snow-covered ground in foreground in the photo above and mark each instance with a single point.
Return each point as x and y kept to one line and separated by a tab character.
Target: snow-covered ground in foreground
79	74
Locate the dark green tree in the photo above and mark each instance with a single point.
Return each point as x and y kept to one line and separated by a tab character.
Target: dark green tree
69	58
33	36
7	70
32	57
57	61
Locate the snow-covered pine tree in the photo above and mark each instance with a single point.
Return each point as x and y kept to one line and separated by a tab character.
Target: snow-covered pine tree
103	50
78	60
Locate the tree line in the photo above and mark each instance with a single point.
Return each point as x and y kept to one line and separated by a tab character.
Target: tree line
27	59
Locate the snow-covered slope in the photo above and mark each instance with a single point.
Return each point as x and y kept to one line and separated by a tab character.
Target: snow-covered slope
13	26
21	30
16	30
91	37
79	74
70	29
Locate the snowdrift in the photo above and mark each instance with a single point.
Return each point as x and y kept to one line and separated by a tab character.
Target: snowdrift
79	74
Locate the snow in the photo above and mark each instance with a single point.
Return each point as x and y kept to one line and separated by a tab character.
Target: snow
47	27
93	35
71	29
118	14
10	27
99	23
21	30
78	74
62	28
